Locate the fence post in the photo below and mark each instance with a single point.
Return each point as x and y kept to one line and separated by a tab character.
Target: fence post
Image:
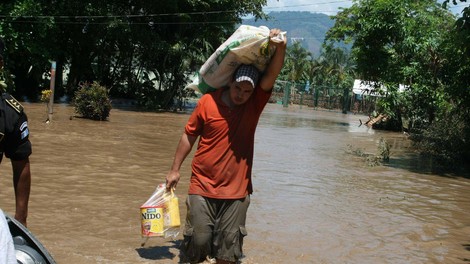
286	95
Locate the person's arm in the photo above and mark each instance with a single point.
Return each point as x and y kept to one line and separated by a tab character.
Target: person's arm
184	148
22	185
277	61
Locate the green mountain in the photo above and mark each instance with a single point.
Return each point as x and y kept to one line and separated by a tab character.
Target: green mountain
308	28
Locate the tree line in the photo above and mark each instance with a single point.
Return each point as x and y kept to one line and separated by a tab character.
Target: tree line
418	45
130	47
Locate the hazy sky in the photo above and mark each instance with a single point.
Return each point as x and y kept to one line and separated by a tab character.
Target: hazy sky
328	7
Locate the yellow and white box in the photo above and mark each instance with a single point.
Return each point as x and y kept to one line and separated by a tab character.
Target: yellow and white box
171	212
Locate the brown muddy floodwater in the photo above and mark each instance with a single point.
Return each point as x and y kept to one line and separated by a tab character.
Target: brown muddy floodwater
313	201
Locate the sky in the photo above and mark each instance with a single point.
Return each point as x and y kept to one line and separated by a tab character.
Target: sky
328	7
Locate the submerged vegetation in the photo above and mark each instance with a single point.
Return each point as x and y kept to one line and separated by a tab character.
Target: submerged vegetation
92	101
382	156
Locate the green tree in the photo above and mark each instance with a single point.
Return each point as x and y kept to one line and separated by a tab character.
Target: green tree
129	46
340	66
397	43
422	45
26	45
456	67
295	67
448	139
297	58
332	70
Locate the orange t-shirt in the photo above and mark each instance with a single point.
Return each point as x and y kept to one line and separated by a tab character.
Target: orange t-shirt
221	167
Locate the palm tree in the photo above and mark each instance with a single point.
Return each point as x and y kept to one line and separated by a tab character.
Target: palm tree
297	61
341	69
334	68
340	66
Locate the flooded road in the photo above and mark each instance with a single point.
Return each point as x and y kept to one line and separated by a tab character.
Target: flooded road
313	201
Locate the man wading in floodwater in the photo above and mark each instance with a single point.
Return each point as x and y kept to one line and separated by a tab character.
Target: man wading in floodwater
220	184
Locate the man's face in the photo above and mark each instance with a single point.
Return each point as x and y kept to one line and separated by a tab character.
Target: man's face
240	92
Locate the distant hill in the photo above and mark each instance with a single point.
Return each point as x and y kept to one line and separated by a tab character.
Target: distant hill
309	28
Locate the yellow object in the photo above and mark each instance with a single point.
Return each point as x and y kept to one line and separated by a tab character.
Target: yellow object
152	221
171	212
46	95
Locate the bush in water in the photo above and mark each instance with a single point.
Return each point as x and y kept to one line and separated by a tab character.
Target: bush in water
92	101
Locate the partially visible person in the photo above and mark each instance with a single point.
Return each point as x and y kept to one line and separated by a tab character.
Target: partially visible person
3	84
7	247
14	142
220	185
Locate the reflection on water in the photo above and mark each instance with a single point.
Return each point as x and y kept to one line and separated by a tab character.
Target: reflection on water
312	203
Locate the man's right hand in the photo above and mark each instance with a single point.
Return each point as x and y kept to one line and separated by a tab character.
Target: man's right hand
172	179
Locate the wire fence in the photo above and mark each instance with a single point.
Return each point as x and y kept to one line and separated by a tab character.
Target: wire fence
322	97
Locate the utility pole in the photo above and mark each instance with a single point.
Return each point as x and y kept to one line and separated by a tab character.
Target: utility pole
51	87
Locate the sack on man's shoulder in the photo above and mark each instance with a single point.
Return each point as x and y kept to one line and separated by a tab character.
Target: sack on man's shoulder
247	45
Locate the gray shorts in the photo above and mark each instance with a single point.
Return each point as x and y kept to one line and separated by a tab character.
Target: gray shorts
214	228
